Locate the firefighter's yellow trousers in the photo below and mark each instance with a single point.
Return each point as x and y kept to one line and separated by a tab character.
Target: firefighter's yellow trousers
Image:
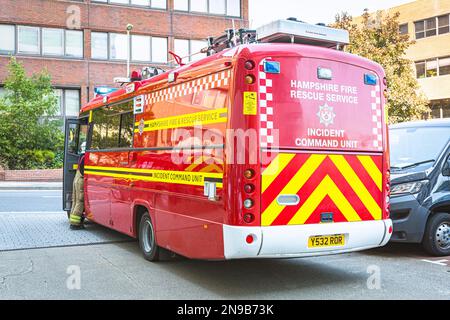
77	211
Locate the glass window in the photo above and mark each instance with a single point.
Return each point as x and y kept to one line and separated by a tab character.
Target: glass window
444	66
403	28
412	145
443	24
199	5
234	8
182	5
159	50
430	25
140	48
29	40
113	127
420	69
53	42
182	49
59	101
119	1
420	29
432	70
126	130
196	47
159	4
8	36
141	2
99	45
217	6
72	102
74	43
118	48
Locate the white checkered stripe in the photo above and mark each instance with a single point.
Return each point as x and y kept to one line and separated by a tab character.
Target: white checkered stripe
213	81
377	118
266	107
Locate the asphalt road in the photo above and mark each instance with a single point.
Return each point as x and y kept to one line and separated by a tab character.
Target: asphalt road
114	268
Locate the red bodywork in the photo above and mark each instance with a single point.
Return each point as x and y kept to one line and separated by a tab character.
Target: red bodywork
186	221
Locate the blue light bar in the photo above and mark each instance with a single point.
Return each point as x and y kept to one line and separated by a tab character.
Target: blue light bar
370	79
272	67
104	90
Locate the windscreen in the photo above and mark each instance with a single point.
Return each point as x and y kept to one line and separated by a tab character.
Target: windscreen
410	146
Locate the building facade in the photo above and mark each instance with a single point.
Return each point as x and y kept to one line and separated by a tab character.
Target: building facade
83	44
428	23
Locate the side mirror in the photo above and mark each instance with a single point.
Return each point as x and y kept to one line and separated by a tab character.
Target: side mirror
446	169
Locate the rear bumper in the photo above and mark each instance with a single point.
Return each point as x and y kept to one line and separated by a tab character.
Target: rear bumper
292	241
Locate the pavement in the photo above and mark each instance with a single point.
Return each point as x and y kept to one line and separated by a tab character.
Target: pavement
102	264
27	185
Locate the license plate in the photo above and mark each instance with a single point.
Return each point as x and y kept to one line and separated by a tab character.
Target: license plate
337	240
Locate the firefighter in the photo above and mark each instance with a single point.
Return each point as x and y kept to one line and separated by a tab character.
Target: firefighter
76	214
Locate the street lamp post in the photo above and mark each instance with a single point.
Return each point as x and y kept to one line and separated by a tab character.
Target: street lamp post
129	28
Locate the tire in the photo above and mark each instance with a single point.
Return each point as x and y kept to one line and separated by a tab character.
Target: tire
437	235
147	239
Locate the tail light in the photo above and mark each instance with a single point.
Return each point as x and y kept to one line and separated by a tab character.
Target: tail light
249	174
249	188
249	218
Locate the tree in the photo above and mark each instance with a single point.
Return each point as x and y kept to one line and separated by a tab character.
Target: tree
378	38
29	137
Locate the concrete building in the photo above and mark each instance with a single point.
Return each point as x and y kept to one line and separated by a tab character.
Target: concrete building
83	44
427	23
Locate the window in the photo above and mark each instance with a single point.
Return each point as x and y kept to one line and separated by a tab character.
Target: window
143	48
443	24
74	43
432	26
99	45
159	50
432	68
113	127
403	28
199	5
444	66
53	42
189	49
68	102
8	36
420	69
28	40
157	4
140	48
118	47
219	7
72	103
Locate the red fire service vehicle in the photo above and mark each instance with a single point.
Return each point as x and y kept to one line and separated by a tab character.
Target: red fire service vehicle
273	146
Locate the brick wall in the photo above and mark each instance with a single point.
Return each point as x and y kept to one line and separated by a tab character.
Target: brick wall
31	175
86	74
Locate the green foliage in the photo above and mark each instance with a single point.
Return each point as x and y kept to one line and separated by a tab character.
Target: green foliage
29	138
377	38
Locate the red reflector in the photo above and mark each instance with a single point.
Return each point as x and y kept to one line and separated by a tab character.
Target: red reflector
391	230
249	218
249	239
249	65
249	188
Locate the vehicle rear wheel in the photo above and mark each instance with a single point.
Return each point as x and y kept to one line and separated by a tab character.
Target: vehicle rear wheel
437	235
147	239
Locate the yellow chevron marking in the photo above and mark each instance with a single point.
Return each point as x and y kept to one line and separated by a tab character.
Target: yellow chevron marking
372	170
204	159
326	188
212	168
357	186
293	187
274	169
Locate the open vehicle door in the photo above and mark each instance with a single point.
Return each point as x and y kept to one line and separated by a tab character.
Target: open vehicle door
75	144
